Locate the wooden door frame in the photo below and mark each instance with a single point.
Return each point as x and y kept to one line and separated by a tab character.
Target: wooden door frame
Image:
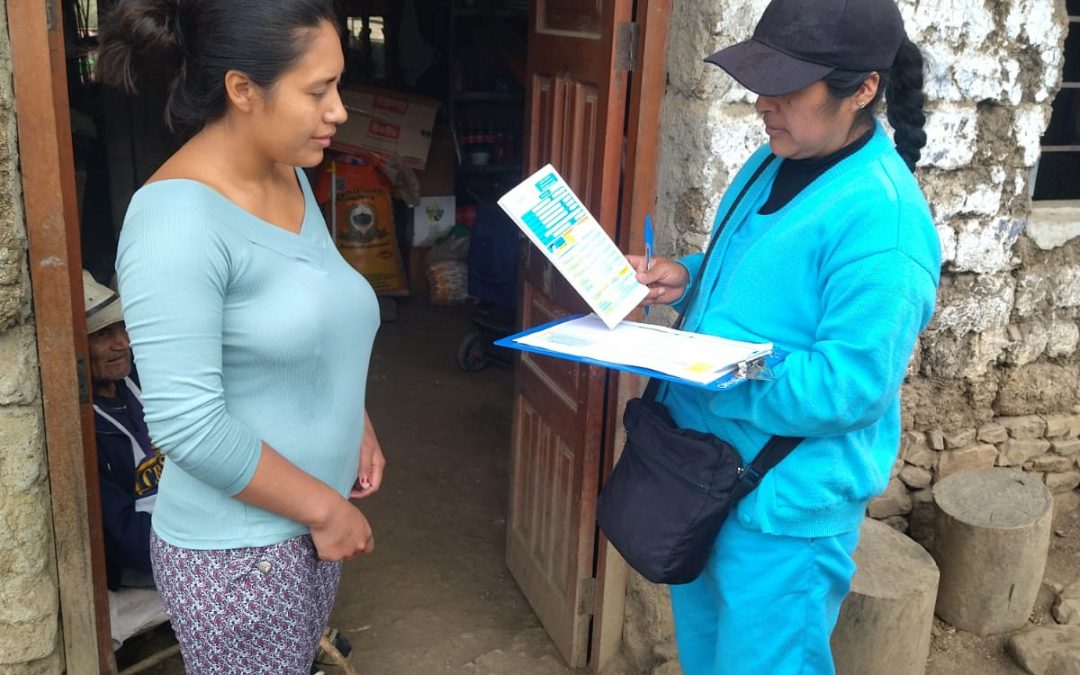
648	83
52	224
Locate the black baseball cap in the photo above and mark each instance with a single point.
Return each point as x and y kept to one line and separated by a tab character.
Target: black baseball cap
798	42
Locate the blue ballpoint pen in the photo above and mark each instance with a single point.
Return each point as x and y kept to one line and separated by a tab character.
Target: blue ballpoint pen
648	248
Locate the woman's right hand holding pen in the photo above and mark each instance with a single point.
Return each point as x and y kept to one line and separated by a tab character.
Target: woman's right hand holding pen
665	278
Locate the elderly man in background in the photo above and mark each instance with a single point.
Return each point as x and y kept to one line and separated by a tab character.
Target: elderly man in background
129	465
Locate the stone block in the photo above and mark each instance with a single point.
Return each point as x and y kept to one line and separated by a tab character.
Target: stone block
1057	425
951	137
914	450
985	245
974	303
1062	338
1063	482
1074	423
1066	503
1015	452
977	457
18	366
1050	463
1040	387
25	599
895	470
12	306
992	433
1027	342
961	438
669	668
25	522
1032	290
915	477
1067	605
50	665
936	438
29	629
1029	125
924	496
1066	286
1047	650
1052	226
1024	426
967	355
895	501
898	523
23	461
1066	448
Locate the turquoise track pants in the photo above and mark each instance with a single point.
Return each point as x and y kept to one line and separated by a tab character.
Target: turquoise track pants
765	604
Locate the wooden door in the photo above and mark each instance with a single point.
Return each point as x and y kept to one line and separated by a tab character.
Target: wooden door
576	118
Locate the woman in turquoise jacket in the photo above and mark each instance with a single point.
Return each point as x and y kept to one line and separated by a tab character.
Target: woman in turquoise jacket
831	255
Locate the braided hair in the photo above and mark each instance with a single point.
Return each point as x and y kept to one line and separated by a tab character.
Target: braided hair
902	88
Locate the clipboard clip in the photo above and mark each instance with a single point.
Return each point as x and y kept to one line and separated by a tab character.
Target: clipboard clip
754	369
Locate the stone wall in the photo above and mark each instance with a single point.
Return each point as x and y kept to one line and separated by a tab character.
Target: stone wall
994	380
29	638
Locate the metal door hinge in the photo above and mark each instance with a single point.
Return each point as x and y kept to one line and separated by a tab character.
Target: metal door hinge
83	377
51	20
587	596
626	47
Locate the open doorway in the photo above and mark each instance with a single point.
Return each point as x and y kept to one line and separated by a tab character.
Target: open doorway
445	110
451	420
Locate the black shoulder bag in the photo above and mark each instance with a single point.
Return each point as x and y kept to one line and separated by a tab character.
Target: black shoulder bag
672	489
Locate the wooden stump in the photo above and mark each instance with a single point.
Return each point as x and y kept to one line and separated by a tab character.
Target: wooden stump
886	619
991	537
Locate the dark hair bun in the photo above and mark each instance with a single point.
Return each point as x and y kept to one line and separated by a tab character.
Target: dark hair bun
194	43
136	33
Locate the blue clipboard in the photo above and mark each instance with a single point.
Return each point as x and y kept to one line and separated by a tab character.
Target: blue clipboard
732	379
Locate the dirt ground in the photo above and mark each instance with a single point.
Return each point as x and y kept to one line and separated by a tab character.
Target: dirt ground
436	597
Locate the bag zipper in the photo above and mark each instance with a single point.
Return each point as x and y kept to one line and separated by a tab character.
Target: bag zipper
704	487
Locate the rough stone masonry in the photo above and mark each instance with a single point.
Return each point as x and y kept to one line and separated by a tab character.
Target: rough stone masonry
29	635
994	379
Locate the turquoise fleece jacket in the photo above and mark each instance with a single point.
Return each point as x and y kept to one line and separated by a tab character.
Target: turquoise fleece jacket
843	279
243	333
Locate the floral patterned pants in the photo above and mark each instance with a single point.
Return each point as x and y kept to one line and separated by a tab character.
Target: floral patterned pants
257	610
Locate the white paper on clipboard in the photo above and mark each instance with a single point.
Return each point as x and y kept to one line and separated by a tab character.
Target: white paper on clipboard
555	220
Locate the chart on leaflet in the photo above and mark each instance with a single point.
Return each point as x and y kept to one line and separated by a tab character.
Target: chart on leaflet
556	221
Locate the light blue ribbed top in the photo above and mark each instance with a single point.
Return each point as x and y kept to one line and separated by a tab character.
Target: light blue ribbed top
243	332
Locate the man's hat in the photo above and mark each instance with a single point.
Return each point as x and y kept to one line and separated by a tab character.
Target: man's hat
798	42
102	305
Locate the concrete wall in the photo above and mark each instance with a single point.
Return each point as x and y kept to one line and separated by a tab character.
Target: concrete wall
994	379
29	617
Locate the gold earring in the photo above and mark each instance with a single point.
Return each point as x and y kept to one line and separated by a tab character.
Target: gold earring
861	104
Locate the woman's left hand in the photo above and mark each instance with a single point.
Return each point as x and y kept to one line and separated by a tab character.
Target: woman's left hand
372	463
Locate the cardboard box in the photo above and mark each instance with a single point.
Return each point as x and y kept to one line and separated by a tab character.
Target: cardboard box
438	178
430	219
387	122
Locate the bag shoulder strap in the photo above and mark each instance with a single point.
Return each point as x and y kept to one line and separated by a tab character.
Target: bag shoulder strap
653	387
778	447
774	451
